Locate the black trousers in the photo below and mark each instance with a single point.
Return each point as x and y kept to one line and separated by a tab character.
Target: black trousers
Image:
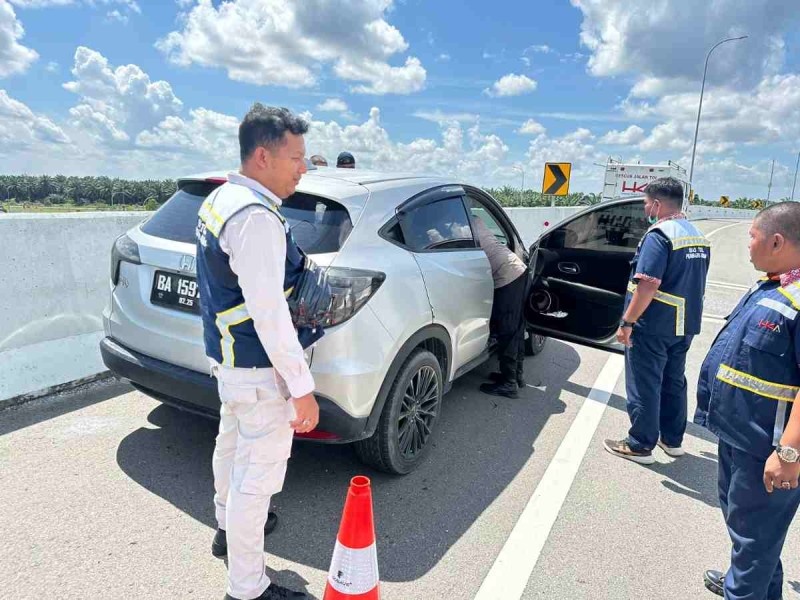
508	326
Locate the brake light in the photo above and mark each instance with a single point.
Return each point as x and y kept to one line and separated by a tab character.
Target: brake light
219	180
351	288
126	249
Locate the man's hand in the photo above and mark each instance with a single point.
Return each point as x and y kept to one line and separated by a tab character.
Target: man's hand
307	411
624	336
776	472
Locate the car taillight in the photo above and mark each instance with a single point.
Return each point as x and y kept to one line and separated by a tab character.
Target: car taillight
126	249
351	289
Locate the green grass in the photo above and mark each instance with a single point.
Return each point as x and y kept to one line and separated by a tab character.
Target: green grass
33	207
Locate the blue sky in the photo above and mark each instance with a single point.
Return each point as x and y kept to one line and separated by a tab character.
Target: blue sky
155	89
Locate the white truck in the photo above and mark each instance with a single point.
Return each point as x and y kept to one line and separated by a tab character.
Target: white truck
631	179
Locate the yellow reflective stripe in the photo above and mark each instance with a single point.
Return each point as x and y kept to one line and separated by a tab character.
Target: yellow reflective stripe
678	303
225	320
688	241
792	292
210	217
761	387
288	292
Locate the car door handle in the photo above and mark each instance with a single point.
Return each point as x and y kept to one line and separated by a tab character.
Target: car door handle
569	268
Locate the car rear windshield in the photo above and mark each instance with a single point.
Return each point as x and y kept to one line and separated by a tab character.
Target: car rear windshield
177	219
319	225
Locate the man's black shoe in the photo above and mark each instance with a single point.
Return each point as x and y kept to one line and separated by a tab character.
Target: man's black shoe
507	390
219	547
498	377
275	592
715	581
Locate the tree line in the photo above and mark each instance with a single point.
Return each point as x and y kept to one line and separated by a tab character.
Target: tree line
47	190
60	190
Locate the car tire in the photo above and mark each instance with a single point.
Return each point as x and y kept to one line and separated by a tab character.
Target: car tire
400	445
534	343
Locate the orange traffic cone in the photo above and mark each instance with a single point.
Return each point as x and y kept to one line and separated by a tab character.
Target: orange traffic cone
354	567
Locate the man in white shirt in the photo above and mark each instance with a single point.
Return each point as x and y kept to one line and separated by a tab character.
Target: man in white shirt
508	320
247	261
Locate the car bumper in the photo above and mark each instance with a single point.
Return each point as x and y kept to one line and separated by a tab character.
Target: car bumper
196	392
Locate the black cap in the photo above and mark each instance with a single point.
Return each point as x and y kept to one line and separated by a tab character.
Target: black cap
345	158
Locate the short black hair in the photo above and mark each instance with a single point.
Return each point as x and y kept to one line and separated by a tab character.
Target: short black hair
345	158
666	188
267	126
783	218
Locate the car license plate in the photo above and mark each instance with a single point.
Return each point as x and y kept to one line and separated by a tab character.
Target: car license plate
179	292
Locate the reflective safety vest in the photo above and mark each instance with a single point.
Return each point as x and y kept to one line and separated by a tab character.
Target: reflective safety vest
750	376
228	330
677	308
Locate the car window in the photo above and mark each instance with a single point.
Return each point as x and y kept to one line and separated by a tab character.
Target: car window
611	229
319	225
477	210
177	219
440	225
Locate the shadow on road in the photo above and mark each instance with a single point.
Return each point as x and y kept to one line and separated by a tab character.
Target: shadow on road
50	407
482	444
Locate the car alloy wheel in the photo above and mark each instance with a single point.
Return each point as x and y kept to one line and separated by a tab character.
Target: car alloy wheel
407	426
418	412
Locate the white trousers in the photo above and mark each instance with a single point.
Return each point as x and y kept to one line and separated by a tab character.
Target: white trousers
253	445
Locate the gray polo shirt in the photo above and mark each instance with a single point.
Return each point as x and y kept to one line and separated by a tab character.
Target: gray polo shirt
506	266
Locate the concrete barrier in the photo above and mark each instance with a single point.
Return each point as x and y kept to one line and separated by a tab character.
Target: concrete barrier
55	269
56	284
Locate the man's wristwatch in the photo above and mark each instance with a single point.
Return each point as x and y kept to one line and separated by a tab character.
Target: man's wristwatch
623	323
788	454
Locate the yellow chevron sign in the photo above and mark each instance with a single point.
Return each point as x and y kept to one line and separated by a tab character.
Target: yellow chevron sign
556	179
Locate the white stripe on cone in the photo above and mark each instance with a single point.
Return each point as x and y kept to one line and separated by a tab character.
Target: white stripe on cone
353	571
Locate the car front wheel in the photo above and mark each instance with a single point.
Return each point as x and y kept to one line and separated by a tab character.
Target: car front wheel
407	425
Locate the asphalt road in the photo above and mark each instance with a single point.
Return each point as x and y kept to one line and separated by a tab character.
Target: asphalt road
106	493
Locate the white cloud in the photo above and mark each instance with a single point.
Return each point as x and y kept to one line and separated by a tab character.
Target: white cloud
97	124
511	85
444	57
654	38
531	127
52	67
21	128
441	117
540	49
279	42
768	114
14	57
207	134
630	136
117	100
333	105
115	15
384	79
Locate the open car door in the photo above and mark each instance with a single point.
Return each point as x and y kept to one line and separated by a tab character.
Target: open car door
581	269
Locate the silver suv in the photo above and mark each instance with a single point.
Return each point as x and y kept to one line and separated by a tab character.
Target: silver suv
413	299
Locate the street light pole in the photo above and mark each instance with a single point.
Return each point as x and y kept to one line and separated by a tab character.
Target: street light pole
795	175
700	107
771	173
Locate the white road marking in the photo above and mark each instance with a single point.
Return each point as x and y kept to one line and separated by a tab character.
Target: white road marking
724	227
732	286
512	568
